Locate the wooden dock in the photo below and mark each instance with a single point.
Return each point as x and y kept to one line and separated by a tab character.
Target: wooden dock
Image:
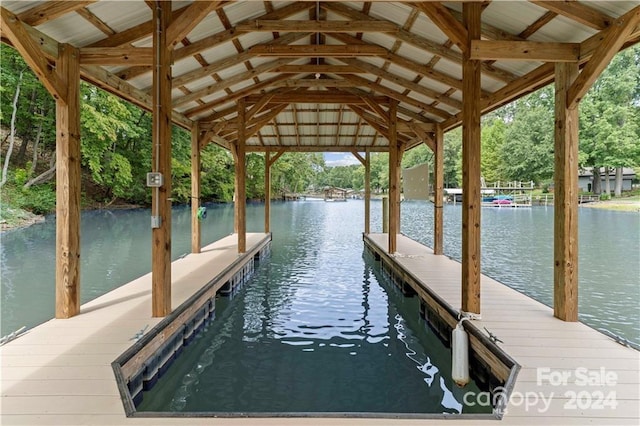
60	373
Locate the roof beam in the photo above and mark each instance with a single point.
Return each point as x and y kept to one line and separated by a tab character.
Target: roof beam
578	12
224	84
316	148
386	75
314	51
50	10
261	25
448	24
525	51
363	82
610	45
318	69
319	97
230	61
13	29
116	56
192	16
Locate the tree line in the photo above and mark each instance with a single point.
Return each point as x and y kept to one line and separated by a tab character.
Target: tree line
517	144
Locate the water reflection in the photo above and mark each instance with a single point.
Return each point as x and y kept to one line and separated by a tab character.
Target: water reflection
316	330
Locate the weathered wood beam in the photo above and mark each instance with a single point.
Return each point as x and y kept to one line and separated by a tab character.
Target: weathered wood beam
240	175
161	163
578	12
261	25
68	184
195	188
192	16
258	106
371	121
376	108
438	192
229	61
422	134
386	75
252	127
13	29
272	82
610	45
363	82
224	84
50	10
95	21
565	251
491	32
471	74
111	83
232	33
116	56
133	34
318	98
320	69
320	50
395	159
446	22
524	50
315	148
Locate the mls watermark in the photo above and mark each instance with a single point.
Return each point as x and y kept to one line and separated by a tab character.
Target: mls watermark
591	389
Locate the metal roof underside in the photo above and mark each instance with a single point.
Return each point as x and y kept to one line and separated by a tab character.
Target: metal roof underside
317	100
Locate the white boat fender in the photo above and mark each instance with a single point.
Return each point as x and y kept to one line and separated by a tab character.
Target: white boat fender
460	354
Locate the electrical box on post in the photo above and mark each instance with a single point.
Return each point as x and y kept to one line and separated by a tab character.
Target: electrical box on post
154	179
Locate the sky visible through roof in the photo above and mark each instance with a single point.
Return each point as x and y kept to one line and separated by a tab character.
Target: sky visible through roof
333	159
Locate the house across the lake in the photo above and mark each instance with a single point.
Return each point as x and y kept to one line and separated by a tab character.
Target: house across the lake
585	178
335	194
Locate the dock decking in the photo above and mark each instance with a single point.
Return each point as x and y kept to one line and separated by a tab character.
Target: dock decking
60	372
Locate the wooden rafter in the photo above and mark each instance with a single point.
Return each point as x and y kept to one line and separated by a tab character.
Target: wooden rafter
578	12
260	25
192	16
448	24
337	51
525	50
610	45
50	10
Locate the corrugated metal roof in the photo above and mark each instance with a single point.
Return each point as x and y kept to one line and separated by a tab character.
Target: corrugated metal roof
415	50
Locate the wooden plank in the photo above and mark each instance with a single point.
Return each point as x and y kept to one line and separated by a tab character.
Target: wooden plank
95	21
565	248
227	62
314	51
610	45
116	56
438	192
195	188
318	98
13	29
320	68
68	185
316	148
240	175
471	74
161	163
50	10
394	178
192	16
524	51
262	25
446	22
578	12
225	84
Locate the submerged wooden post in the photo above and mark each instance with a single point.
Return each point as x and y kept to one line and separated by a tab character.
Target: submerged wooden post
240	179
565	250
161	162
68	184
438	185
471	165
394	178
195	188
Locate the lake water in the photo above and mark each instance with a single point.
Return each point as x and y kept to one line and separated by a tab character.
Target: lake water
517	249
317	329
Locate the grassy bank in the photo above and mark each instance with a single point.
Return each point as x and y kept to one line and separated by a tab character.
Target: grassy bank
627	204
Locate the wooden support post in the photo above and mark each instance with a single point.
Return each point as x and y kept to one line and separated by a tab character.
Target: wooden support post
385	215
394	178
367	192
565	269
195	188
68	184
161	162
438	187
241	198
267	192
471	165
